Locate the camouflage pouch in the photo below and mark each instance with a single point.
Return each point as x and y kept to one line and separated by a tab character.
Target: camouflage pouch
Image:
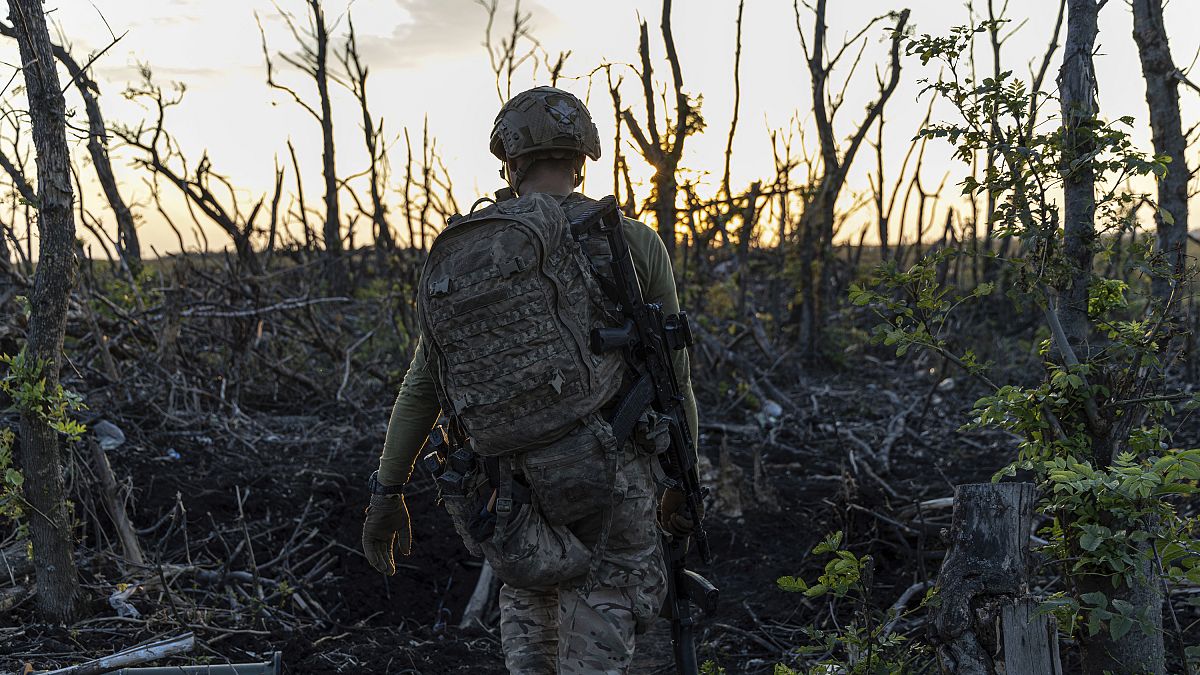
465	508
652	435
462	509
528	552
575	476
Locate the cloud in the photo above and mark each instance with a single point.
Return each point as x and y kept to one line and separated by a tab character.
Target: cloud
443	29
130	72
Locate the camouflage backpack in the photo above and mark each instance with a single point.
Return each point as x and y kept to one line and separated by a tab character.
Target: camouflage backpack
507	301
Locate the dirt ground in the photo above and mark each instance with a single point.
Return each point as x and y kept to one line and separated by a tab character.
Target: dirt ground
248	505
300	484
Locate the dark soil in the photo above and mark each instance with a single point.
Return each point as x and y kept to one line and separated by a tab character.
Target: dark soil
301	481
300	466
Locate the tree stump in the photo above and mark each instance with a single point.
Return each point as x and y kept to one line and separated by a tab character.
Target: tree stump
987	623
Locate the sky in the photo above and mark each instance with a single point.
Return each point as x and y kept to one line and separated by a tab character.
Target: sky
427	62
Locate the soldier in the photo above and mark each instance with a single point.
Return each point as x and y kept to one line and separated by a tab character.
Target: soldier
585	623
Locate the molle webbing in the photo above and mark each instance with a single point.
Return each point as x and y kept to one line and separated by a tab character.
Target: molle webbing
508	299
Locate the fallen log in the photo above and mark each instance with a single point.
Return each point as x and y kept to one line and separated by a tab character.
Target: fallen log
133	656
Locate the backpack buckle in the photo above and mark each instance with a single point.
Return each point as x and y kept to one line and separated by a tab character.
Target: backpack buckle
504	505
512	266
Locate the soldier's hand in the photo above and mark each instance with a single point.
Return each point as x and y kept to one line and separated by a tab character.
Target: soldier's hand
674	516
386	526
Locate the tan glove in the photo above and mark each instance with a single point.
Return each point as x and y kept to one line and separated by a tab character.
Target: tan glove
386	525
673	514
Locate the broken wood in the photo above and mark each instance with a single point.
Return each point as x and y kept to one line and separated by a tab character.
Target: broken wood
130	547
14	595
483	598
131	657
987	623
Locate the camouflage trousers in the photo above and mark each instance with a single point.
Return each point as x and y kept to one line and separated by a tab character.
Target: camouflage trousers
572	630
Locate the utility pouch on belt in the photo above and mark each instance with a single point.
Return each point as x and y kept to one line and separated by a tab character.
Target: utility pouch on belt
456	473
525	550
462	509
652	434
575	476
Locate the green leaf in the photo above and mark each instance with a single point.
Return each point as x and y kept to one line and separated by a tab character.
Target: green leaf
830	544
792	584
1125	607
817	591
1119	625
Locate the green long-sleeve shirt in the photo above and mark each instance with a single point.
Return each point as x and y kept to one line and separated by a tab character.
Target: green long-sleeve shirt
417	407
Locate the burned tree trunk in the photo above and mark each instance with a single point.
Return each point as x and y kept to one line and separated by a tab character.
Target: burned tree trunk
313	60
663	151
131	548
199	186
376	152
817	221
333	228
128	246
1162	95
1136	650
986	622
40	452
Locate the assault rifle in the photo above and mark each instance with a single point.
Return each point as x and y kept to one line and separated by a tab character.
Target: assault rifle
648	337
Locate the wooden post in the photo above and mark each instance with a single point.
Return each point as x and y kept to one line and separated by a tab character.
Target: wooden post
987	623
483	599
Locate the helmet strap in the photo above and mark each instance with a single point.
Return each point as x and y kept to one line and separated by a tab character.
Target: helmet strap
579	171
515	176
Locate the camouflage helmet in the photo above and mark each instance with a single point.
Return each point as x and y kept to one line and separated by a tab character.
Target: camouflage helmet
547	121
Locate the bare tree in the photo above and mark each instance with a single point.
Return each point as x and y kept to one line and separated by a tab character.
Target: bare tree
428	191
515	49
372	133
737	98
1077	87
312	59
663	150
128	246
22	196
1162	96
818	219
553	68
885	207
40	453
162	156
